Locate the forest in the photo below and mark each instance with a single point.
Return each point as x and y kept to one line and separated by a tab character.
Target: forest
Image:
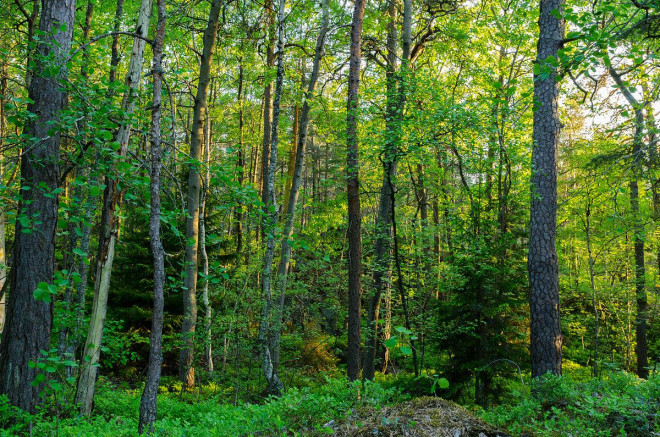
329	217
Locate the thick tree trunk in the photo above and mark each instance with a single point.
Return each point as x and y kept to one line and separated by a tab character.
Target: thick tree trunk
109	227
187	355
275	386
285	255
545	326
148	402
29	321
353	193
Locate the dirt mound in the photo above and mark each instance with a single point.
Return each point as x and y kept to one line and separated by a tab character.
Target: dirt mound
424	416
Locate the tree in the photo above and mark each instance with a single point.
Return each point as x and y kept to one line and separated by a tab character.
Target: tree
30	313
148	403
109	223
200	114
301	144
266	327
545	326
353	193
641	347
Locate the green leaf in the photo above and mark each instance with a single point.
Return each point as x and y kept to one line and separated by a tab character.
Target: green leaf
390	342
79	252
443	383
406	350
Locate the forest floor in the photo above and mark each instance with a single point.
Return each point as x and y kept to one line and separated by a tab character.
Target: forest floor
617	404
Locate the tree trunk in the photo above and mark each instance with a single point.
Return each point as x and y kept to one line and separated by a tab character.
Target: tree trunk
545	326
285	255
268	100
353	193
275	386
187	354
148	402
383	220
641	347
109	227
3	256
76	207
202	248
592	281
240	163
396	94
29	320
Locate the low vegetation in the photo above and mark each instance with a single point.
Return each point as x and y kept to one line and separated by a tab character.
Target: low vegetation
617	404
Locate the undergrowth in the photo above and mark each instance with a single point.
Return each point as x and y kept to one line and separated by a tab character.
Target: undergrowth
618	404
298	412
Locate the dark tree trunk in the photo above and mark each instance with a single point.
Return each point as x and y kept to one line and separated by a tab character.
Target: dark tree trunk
148	402
353	192
29	321
545	326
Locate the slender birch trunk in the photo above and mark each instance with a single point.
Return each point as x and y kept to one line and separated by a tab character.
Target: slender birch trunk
109	227
275	386
149	400
208	352
285	255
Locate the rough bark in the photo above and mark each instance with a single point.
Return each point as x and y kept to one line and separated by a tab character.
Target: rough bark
353	193
148	402
109	227
545	326
187	354
29	321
